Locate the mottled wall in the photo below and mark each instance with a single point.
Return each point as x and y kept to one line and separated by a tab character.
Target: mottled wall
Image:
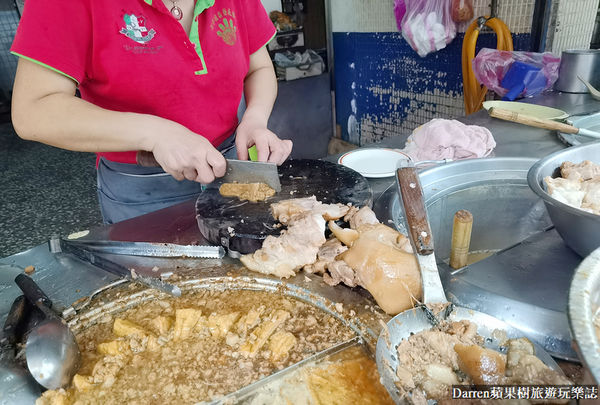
382	87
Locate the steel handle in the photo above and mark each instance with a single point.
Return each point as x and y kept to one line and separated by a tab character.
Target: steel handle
18	312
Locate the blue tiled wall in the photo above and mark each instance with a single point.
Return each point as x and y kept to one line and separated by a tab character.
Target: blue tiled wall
381	77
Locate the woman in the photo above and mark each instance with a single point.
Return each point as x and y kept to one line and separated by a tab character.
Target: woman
160	83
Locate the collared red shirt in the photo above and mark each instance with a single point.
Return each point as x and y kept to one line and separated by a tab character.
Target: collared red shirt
133	56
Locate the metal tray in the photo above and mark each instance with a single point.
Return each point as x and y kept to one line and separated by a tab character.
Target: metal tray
584	304
358	311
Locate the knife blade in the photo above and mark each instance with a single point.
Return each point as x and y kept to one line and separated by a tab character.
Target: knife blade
245	171
118	269
146	248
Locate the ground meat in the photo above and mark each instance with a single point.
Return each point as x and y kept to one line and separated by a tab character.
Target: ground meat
225	341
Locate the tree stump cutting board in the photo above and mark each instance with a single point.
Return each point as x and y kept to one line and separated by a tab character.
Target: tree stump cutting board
241	226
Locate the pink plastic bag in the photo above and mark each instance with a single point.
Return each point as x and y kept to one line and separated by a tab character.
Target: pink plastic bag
491	67
427	25
399	11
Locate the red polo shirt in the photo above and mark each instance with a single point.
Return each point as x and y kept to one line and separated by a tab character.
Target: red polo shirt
132	55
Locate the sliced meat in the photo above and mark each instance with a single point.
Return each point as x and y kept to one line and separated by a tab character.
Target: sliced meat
591	201
565	190
340	272
585	170
360	217
293	249
327	254
285	210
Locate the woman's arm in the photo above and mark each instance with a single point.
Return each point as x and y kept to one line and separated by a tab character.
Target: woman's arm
45	109
260	89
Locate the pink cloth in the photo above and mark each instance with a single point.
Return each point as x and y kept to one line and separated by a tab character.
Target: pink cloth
449	139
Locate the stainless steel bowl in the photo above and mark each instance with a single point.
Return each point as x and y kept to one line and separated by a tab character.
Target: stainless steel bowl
584	303
579	229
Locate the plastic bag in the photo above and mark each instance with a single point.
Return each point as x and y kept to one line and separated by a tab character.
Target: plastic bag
514	74
427	25
399	12
462	10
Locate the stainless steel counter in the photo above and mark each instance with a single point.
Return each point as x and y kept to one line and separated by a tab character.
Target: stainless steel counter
66	280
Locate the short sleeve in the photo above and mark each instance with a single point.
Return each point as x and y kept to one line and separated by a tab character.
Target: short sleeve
56	34
260	27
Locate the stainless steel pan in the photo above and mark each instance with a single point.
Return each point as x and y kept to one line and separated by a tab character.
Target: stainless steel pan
421	318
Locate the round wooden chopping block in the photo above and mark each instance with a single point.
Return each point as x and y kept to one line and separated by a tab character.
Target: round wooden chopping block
241	226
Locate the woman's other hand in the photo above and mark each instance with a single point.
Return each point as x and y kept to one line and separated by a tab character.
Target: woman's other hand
269	147
260	89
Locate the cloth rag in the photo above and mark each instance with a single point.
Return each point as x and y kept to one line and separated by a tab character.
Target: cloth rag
449	139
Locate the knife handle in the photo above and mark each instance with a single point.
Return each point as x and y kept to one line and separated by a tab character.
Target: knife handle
411	195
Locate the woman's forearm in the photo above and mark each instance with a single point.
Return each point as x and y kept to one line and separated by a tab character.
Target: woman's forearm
46	110
260	88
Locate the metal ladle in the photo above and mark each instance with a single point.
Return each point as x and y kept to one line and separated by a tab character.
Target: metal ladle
421	318
16	384
51	351
593	91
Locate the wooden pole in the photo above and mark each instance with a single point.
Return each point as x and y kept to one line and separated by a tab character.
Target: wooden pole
461	239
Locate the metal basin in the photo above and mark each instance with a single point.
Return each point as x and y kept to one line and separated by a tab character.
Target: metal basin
494	190
579	229
584	304
524	285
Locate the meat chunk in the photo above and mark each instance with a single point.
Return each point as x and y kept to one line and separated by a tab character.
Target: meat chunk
340	272
385	268
583	171
294	248
252	192
565	190
363	216
283	211
327	254
591	200
578	187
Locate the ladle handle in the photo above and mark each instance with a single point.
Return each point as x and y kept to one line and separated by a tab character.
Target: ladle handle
411	192
32	291
18	312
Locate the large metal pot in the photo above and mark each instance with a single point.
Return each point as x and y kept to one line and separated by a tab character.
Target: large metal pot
584	303
494	190
579	229
573	63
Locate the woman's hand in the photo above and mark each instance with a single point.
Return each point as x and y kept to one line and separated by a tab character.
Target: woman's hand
186	155
269	147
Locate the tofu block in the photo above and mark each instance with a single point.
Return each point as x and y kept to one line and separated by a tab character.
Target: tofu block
82	383
219	325
185	321
262	333
280	344
123	327
113	348
162	324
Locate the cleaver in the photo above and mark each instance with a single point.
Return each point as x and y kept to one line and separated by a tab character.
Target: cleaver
245	171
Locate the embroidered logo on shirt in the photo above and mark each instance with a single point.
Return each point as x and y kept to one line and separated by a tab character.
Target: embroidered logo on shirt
227	30
135	29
